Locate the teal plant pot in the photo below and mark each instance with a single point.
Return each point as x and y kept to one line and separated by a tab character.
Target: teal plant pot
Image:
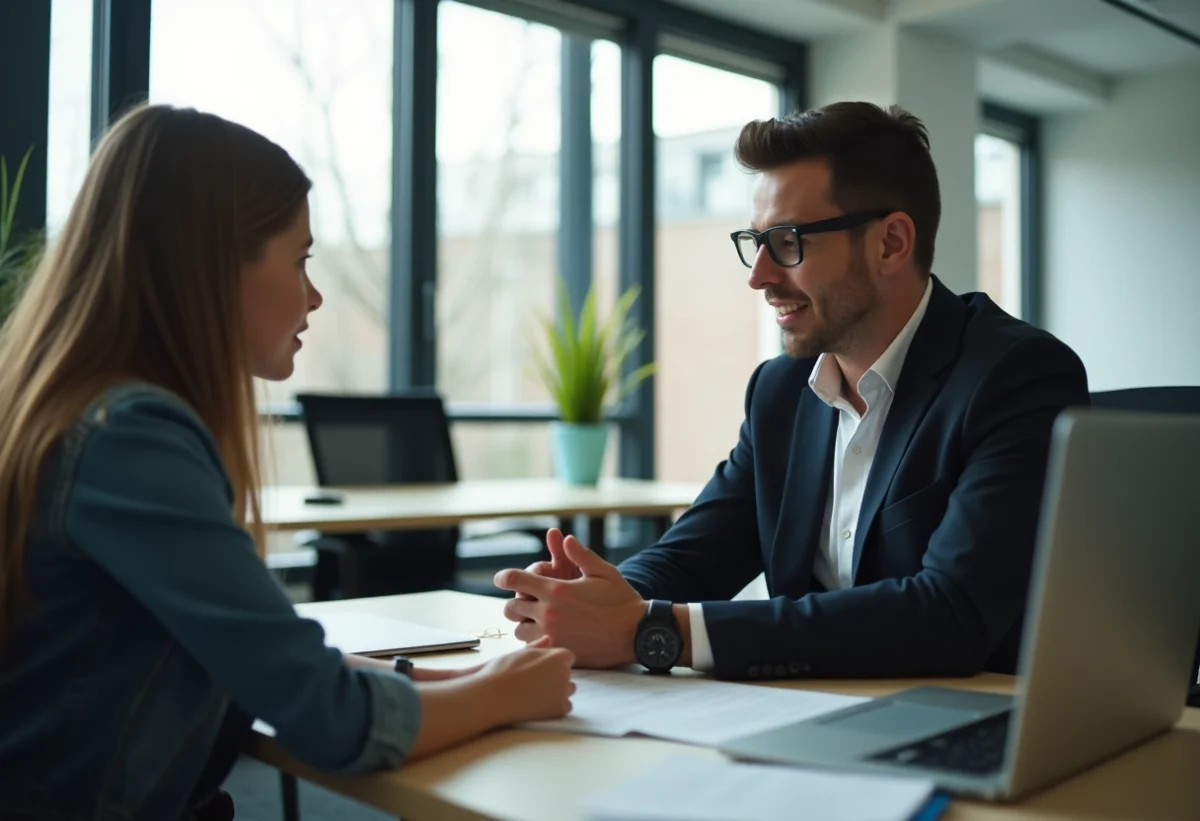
578	451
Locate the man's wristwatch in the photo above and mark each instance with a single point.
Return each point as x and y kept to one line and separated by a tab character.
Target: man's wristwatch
402	665
658	642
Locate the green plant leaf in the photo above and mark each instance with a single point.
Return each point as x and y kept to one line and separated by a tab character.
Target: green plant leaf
19	254
636	378
9	197
580	359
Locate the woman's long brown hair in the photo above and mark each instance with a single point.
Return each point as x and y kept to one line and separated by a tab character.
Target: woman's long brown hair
143	283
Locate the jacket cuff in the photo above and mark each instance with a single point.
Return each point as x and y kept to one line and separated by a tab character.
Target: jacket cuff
394	723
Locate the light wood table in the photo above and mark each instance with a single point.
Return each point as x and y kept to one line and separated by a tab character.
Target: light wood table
414	507
520	775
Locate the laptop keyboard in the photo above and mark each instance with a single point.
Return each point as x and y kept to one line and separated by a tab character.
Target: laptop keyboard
976	748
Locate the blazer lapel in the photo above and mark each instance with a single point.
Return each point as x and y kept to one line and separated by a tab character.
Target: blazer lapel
810	467
934	346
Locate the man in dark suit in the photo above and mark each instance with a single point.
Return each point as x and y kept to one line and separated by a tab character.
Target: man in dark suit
889	471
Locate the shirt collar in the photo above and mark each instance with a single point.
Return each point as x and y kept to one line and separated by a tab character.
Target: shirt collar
826	377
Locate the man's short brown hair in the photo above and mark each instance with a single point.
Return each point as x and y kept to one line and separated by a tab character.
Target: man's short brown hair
878	158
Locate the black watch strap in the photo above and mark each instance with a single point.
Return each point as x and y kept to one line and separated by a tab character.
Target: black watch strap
402	665
661	612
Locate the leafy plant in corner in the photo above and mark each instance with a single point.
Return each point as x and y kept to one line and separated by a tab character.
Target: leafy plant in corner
19	252
583	358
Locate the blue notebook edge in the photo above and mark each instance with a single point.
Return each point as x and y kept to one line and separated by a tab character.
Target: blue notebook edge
937	804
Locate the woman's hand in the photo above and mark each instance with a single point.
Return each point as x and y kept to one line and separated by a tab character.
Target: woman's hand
531	684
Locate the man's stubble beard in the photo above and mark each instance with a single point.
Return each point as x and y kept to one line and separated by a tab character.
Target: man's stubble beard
845	314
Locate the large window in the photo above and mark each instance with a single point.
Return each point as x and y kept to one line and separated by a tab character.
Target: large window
314	76
500	212
498	135
711	328
998	201
538	162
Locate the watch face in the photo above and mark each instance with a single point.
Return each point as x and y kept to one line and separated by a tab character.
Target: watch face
657	647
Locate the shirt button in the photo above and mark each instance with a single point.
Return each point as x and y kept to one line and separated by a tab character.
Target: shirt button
857	450
846	533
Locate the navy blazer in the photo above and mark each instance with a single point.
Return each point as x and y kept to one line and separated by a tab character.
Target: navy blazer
946	532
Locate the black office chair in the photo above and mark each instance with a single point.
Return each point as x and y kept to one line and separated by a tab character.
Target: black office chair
391	440
1181	399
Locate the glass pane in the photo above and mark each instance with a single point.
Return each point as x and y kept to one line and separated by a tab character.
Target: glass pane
516	450
606	191
498	135
69	125
315	77
711	329
998	202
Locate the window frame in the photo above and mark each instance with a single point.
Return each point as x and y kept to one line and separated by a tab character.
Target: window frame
1024	130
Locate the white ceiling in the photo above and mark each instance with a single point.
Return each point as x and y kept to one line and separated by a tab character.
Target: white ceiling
1088	42
1090	34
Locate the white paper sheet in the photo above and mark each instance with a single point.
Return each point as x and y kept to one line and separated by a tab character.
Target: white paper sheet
684	708
691	788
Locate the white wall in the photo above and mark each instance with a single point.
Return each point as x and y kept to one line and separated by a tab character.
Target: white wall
935	79
1122	232
938	84
858	66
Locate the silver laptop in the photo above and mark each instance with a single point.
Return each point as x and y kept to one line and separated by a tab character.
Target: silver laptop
1110	632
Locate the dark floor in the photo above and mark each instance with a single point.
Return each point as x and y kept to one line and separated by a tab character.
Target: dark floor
255	790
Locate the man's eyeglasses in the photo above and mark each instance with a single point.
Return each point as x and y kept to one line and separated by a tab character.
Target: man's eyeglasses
783	241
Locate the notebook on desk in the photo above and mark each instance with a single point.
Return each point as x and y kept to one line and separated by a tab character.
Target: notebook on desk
365	634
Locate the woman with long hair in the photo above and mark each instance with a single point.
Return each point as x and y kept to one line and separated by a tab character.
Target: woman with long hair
140	631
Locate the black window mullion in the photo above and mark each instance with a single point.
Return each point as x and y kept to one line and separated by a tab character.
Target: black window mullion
637	226
575	169
1031	227
412	327
120	59
793	92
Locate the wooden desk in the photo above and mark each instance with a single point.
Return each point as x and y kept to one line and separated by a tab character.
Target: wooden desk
413	507
519	775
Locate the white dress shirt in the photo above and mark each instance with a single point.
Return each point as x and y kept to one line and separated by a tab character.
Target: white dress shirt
854	451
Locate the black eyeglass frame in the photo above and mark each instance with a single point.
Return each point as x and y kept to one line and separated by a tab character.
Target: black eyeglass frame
841	223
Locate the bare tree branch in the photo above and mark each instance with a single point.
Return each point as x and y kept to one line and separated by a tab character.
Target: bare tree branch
475	293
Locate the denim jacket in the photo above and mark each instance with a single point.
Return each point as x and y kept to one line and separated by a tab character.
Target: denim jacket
151	634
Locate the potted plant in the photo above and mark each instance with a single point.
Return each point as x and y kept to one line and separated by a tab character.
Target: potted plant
19	253
581	365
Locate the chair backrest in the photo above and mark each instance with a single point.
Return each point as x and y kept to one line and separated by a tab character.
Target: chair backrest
396	439
1183	399
387	440
1174	399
